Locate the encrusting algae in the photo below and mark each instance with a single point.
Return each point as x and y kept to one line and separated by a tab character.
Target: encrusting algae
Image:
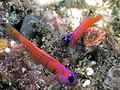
3	44
94	36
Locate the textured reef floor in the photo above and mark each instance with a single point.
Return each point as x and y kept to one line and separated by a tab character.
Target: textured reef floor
45	22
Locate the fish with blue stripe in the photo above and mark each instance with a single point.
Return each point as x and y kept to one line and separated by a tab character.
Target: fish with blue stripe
64	75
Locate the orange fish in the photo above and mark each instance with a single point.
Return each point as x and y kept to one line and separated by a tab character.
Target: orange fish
64	75
71	38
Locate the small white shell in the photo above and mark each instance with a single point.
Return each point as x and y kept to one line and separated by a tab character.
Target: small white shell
12	43
86	83
89	71
7	50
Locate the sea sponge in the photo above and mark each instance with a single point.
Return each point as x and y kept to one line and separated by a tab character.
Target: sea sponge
94	36
3	44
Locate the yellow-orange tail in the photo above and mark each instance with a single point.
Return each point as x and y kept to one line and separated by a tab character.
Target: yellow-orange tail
12	31
98	17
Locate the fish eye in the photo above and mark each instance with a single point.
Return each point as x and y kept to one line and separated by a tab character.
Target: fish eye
65	41
71	79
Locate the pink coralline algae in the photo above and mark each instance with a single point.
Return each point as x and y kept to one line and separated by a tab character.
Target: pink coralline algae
94	36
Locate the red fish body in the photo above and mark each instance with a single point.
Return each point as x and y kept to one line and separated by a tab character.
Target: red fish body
70	39
64	75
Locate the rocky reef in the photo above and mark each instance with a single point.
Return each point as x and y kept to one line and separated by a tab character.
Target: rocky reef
97	67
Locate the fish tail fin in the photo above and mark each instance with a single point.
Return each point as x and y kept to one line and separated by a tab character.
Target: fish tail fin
12	31
98	17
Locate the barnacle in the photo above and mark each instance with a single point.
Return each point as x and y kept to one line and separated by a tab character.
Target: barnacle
94	36
3	44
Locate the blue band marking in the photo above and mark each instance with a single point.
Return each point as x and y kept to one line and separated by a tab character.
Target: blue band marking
47	62
62	73
73	37
41	56
63	69
56	67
